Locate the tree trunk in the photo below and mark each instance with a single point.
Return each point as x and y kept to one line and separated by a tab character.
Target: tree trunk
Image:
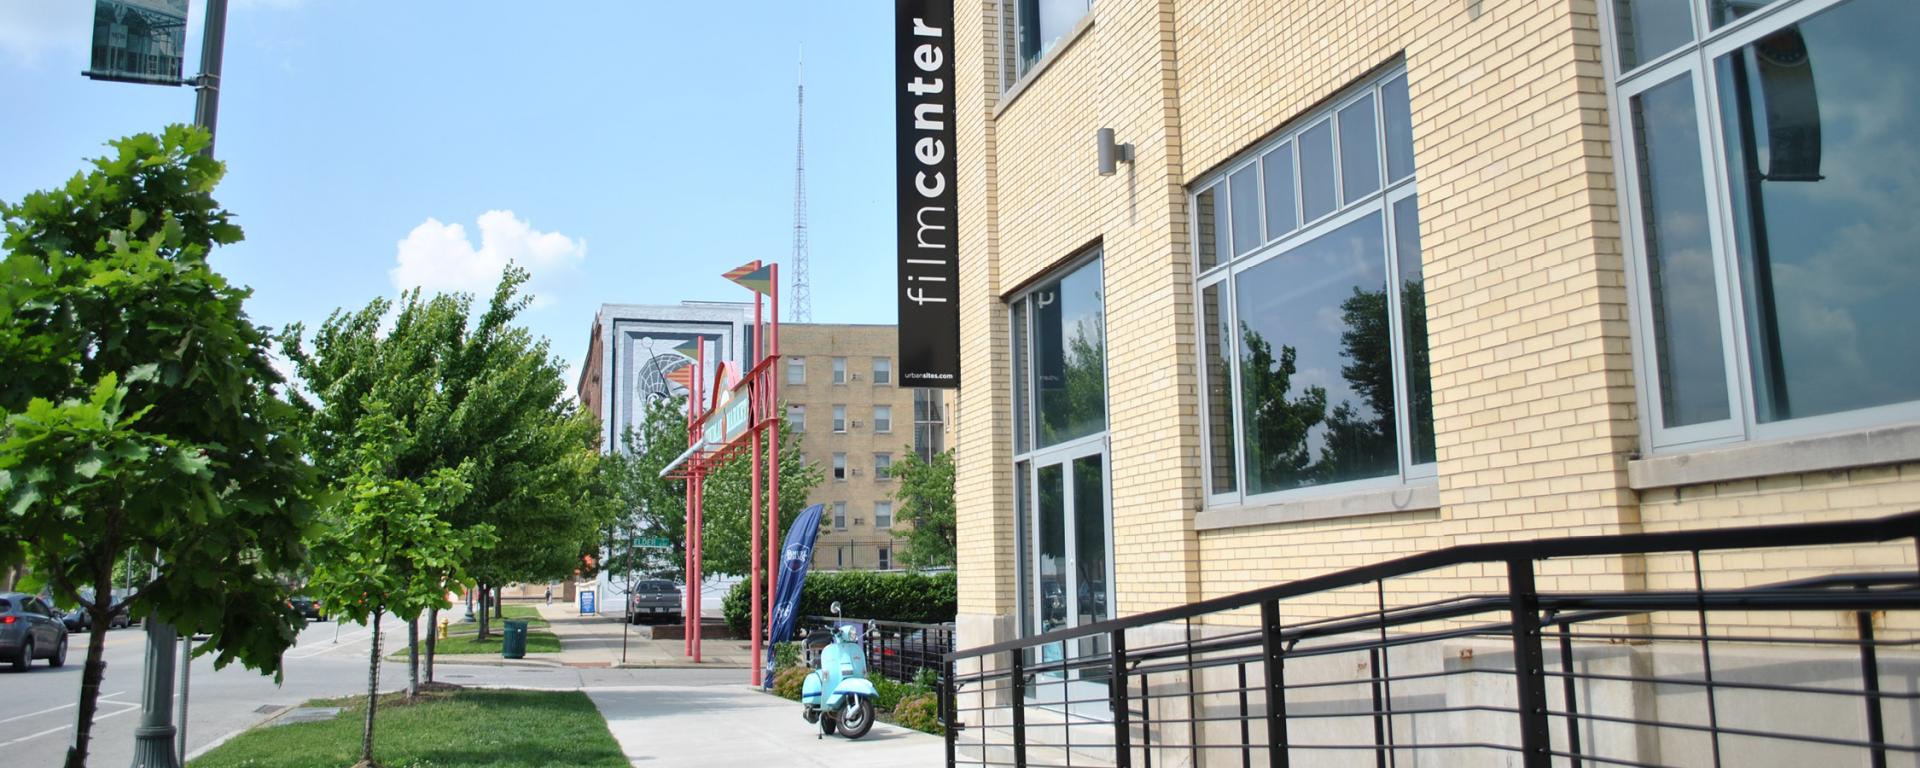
484	613
433	634
373	691
499	600
96	667
413	658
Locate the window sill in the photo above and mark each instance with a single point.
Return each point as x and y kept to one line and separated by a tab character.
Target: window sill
1020	86
1846	450
1419	497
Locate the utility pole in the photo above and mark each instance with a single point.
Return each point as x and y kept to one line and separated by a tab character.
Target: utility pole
156	742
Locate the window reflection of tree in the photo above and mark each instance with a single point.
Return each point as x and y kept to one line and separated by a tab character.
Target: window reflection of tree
1359	438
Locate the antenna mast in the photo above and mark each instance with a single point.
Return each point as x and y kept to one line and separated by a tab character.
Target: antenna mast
802	311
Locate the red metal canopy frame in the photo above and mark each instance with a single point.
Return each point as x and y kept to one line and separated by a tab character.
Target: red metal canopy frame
728	417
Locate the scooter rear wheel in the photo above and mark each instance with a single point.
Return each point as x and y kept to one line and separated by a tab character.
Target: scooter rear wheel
857	718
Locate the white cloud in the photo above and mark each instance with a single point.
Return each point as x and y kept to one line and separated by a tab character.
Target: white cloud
439	258
32	28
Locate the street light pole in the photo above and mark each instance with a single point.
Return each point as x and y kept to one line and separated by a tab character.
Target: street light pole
154	741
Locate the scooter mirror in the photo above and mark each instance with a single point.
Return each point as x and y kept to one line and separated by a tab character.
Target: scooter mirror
835	608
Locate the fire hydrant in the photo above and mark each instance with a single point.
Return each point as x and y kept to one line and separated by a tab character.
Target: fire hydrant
443	629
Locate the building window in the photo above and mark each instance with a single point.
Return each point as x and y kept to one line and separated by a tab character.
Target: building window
883	514
883	418
839	466
883	370
883	466
839	370
1036	28
929	424
1312	305
886	559
1769	187
1062	516
796	370
839	515
797	417
839	418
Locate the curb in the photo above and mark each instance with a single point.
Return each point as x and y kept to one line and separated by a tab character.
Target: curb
498	662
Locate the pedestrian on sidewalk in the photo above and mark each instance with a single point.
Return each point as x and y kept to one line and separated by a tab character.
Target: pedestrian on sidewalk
549	594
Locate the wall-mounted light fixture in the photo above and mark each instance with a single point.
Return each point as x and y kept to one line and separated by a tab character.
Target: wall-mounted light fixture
1111	152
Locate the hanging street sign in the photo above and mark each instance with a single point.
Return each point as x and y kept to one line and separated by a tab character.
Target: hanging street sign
652	542
139	41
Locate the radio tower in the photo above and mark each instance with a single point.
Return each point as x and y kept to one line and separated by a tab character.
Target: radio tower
802	311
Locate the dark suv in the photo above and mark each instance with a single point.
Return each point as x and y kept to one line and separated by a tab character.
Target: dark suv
653	599
29	629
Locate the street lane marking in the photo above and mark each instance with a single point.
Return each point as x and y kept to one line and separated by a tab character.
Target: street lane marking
355	637
130	707
51	710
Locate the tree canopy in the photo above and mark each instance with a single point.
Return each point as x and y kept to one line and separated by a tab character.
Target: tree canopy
142	417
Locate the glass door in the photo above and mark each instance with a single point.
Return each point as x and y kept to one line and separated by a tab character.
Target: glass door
1073	568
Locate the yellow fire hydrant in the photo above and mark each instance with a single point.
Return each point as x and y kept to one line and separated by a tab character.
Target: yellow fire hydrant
443	629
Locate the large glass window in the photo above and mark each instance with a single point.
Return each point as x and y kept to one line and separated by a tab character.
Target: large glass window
1773	170
1313	345
1070	356
1039	26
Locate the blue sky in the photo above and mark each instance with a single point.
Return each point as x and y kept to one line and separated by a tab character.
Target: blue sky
624	151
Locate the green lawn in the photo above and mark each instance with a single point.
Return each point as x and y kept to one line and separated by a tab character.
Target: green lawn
497	729
460	635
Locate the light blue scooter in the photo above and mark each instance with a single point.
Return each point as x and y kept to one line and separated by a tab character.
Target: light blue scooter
838	695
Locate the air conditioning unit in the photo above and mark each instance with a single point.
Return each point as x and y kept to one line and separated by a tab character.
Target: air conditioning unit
854	471
856	423
859	521
856	377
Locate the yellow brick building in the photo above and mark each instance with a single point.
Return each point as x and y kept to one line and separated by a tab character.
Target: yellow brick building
1383	277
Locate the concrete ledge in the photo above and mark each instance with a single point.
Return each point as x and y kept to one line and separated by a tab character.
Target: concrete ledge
1419	497
1847	450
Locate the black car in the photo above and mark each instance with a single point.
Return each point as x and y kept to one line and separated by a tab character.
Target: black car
29	629
307	607
78	619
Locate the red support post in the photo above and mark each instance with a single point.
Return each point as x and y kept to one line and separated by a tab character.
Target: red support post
753	494
773	375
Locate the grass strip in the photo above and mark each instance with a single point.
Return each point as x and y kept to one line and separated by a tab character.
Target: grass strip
469	727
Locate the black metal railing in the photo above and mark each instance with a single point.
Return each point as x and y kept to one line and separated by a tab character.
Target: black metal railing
895	649
1806	657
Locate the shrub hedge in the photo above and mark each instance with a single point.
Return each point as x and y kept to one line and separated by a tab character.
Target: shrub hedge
913	597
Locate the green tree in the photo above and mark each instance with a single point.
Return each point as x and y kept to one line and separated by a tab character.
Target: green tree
1360	437
468	387
129	357
645	504
382	536
925	492
726	537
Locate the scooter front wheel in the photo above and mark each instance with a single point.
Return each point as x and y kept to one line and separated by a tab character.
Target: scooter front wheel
857	718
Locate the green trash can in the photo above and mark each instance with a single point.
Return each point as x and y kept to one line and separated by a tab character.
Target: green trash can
514	644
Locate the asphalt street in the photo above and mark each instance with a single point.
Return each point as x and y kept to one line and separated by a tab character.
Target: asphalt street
37	707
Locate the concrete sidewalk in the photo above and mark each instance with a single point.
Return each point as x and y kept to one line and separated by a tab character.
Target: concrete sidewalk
725	726
595	641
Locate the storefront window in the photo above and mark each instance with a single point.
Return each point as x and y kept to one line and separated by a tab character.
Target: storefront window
1773	246
1314	344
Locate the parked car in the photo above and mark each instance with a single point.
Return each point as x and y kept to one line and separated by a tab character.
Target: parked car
30	629
653	600
78	619
308	607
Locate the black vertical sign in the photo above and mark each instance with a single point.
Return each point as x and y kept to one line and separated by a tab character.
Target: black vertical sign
923	117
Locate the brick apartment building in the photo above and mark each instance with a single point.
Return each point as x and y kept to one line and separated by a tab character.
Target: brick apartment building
854	421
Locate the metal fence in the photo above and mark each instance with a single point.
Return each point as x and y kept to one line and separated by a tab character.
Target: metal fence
1389	665
895	649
